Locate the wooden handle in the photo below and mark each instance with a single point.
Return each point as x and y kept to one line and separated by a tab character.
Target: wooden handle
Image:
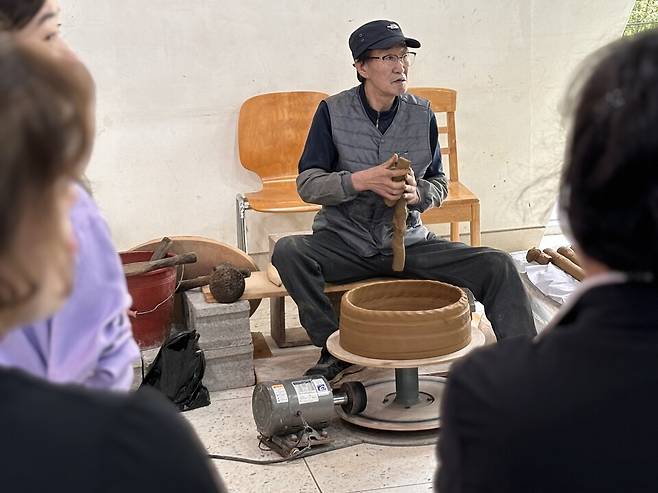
565	264
161	249
185	258
570	254
197	282
137	268
399	228
400	224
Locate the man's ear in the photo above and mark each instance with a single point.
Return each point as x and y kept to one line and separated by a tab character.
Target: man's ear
361	69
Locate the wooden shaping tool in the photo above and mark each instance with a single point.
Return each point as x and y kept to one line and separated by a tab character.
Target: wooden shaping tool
403	163
197	282
565	264
201	281
570	254
536	255
399	223
136	268
560	261
161	249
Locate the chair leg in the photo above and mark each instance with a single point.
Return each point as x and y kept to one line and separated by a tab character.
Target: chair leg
285	337
476	240
241	206
454	231
278	320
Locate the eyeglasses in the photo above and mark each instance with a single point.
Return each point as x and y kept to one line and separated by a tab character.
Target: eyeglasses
392	60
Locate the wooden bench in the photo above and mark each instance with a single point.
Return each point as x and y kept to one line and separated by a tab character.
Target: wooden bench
259	285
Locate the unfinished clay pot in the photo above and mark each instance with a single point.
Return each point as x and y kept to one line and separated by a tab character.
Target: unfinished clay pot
404	320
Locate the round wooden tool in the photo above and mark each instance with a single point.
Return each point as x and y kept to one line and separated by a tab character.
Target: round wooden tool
570	254
536	255
565	264
210	253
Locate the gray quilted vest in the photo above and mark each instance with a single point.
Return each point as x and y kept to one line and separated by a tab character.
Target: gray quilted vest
365	222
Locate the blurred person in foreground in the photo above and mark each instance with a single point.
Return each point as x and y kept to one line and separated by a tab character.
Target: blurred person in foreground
89	340
574	409
57	437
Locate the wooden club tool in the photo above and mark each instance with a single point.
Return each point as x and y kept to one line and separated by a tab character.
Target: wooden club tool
136	268
536	255
570	254
565	264
399	222
560	261
162	249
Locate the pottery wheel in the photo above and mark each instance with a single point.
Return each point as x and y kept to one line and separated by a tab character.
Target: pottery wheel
384	412
408	402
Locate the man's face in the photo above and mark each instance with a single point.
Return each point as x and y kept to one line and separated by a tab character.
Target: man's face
388	78
45	27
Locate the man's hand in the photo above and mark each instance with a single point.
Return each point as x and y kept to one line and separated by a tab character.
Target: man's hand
410	190
379	179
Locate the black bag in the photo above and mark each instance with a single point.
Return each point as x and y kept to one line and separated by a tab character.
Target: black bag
177	371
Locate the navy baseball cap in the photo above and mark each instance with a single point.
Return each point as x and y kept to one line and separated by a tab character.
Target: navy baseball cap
378	35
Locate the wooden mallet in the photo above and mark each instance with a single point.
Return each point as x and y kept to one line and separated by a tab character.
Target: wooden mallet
565	264
136	268
570	254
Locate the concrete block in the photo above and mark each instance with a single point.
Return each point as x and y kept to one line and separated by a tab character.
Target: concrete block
220	325
229	368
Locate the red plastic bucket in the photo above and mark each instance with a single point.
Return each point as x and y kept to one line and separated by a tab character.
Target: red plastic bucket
153	301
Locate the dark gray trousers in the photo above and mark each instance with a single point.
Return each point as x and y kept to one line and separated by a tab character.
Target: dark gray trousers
306	262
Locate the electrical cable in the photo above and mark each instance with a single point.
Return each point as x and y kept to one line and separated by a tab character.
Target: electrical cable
294	455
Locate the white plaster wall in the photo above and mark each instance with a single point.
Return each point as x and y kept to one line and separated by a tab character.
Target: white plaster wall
171	76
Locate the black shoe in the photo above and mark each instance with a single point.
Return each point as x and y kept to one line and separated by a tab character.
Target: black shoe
331	367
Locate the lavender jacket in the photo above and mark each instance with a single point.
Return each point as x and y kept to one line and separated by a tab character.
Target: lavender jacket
89	341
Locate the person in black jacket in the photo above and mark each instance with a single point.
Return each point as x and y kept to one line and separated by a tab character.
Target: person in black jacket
575	409
66	438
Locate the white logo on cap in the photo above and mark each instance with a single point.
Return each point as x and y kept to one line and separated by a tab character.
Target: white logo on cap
392	27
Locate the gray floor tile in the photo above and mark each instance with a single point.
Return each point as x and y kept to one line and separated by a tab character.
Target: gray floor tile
368	467
226	427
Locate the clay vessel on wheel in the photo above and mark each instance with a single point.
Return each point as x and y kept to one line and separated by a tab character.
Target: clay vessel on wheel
405	319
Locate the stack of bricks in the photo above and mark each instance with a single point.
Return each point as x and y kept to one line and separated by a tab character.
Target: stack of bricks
225	339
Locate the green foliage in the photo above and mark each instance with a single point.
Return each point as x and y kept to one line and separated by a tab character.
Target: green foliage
644	16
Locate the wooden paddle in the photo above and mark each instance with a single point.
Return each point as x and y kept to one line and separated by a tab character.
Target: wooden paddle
136	268
399	223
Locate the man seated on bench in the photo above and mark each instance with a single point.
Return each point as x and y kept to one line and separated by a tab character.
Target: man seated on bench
355	137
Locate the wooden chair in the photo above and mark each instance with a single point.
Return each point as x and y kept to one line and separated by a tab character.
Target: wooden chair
461	205
272	130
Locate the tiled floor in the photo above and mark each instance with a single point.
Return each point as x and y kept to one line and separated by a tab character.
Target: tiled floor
226	427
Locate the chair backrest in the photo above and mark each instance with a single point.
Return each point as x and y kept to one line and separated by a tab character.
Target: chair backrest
443	101
272	130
